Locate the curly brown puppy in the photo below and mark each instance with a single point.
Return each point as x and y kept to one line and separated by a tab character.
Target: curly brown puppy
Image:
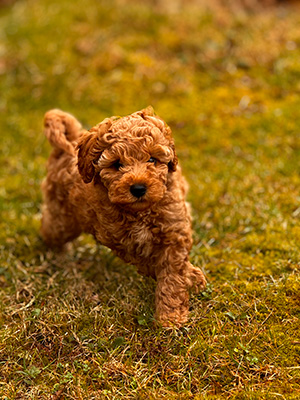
121	182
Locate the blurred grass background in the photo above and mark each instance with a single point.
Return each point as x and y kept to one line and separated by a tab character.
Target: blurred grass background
225	77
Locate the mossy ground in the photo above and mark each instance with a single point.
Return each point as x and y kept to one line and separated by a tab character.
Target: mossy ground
79	325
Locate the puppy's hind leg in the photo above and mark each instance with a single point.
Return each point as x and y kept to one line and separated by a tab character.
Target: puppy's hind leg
58	227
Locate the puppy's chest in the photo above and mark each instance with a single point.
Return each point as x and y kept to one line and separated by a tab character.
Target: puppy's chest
132	239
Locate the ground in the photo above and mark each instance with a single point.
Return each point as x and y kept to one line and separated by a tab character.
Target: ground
78	325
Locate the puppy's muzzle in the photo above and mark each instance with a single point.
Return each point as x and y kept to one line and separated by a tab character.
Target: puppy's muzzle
138	190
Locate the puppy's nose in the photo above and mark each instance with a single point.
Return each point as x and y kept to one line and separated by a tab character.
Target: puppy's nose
138	190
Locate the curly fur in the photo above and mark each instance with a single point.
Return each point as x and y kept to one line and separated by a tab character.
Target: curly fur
121	182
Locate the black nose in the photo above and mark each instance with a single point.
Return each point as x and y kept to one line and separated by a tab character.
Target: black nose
138	190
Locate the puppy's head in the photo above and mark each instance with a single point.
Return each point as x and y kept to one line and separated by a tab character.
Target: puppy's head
132	157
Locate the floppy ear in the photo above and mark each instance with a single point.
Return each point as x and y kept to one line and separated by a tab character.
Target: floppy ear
172	165
149	115
166	130
90	147
86	156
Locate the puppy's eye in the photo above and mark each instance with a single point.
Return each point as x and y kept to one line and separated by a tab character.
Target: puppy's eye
117	165
152	160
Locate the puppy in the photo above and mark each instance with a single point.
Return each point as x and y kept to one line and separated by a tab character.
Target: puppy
121	182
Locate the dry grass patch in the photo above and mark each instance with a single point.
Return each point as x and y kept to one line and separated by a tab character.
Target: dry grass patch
79	325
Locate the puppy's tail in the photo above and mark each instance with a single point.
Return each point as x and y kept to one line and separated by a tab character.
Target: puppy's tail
62	130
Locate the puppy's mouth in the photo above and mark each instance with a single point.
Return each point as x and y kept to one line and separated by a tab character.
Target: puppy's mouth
140	204
137	206
138	196
128	201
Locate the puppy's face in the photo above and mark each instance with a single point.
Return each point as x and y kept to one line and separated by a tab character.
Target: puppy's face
134	173
132	157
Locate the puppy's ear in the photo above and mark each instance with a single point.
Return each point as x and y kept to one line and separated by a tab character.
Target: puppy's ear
147	112
166	130
90	147
149	115
172	165
86	156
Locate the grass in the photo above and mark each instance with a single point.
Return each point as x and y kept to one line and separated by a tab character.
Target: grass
79	325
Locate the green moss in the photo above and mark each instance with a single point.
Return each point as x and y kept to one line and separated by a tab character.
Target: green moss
80	324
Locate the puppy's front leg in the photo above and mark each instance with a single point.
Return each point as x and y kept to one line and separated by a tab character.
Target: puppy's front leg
175	275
